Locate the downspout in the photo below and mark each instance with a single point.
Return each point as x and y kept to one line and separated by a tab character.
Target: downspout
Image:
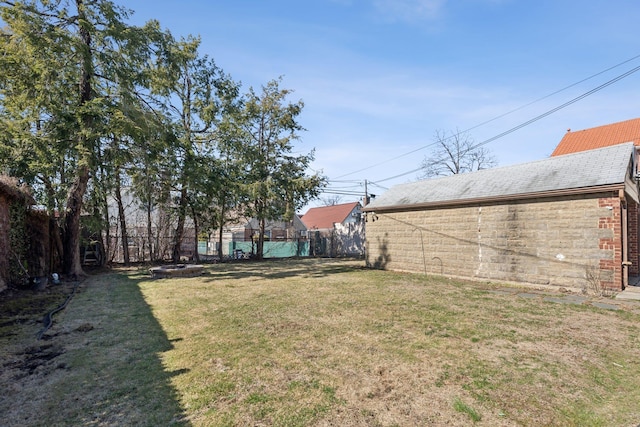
625	240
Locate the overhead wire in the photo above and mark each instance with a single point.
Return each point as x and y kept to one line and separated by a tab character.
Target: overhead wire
510	112
560	107
535	119
378	185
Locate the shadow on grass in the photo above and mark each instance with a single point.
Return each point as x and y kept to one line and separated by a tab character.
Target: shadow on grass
282	268
113	372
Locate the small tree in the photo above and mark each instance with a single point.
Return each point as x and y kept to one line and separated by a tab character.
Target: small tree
456	154
275	180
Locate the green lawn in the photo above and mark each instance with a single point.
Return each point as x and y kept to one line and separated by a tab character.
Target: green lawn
325	342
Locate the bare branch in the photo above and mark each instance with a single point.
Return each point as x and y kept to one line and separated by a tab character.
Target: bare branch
455	154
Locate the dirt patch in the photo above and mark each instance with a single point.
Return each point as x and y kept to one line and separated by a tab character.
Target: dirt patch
32	359
21	316
85	327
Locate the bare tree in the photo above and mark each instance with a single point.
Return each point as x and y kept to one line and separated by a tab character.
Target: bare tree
454	154
331	200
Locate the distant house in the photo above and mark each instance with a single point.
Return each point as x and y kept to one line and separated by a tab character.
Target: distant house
566	221
324	218
599	137
336	230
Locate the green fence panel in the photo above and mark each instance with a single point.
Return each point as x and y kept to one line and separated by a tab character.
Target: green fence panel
272	249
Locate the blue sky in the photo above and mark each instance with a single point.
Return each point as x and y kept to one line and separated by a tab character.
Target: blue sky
380	77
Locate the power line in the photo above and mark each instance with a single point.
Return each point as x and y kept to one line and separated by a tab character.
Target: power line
343	193
539	117
503	115
553	110
352	181
550	95
351	188
400	175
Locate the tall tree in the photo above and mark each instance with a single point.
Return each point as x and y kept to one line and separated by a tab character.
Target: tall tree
454	154
228	173
276	182
60	58
194	92
151	177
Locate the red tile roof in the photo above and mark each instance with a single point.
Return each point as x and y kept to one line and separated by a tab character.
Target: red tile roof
599	137
325	216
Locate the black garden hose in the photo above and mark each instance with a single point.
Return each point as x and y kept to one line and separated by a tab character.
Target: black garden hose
48	318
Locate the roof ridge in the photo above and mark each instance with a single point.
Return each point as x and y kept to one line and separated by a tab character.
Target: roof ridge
516	165
573	172
333	206
605	125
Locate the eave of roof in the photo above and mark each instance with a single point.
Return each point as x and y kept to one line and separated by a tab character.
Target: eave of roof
499	199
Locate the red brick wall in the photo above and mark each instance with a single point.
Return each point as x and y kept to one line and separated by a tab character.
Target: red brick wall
612	244
634	255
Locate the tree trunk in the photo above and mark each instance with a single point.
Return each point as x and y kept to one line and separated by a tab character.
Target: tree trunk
182	213
73	210
150	231
50	196
260	248
97	213
123	221
220	224
196	255
106	245
220	252
71	241
56	245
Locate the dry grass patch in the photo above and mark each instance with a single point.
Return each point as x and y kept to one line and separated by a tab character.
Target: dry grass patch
320	342
328	343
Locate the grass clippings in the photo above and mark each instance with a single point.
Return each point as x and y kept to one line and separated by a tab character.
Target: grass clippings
321	342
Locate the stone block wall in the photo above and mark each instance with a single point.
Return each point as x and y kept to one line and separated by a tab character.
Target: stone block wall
554	241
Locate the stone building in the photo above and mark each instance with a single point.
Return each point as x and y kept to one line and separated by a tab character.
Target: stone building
567	221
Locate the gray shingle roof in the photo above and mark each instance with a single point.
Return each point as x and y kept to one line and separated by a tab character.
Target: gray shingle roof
592	168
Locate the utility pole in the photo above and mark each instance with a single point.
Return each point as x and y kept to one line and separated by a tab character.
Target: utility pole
365	201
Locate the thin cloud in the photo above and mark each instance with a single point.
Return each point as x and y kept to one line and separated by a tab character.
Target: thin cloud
410	10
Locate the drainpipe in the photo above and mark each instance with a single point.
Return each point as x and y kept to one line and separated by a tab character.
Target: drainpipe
625	241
